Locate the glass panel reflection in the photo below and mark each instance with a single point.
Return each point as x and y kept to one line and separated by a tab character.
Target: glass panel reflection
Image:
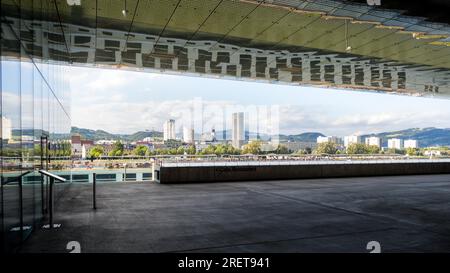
34	105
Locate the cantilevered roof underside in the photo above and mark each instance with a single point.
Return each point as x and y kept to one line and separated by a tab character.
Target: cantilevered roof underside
344	44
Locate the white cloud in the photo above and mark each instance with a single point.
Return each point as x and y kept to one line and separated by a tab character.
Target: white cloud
126	117
120	116
297	119
96	85
126	102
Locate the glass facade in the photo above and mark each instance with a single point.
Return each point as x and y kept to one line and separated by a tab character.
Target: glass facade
35	113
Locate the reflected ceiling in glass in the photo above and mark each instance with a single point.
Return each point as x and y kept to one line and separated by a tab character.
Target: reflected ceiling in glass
321	43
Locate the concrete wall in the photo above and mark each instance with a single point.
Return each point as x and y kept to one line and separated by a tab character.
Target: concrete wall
279	172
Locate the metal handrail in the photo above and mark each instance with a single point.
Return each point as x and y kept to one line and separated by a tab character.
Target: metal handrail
293	162
51	175
50	197
17	178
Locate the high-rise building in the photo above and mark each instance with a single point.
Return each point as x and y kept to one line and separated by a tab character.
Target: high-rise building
395	143
188	135
6	128
75	141
411	143
351	140
213	134
373	141
209	137
332	139
238	134
169	129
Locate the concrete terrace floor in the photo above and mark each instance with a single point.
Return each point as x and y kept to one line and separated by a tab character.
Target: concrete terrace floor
403	213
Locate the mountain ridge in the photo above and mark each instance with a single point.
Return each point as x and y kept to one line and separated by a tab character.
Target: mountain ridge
429	136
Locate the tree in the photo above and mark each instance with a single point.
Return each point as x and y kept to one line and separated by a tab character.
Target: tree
160	151
412	151
220	149
396	151
253	147
190	150
373	149
180	150
140	150
230	150
96	152
357	149
281	149
360	148
326	148
37	149
117	149
210	149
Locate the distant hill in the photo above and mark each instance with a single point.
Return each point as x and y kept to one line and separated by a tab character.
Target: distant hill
92	134
100	134
304	137
426	136
143	134
36	133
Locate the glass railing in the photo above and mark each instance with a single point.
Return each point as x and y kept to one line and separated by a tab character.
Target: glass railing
252	160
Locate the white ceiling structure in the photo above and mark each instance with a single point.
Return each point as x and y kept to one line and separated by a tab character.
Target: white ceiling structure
329	43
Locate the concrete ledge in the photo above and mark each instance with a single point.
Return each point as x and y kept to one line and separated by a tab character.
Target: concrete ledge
195	174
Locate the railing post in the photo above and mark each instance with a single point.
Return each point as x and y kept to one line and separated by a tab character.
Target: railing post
21	206
94	191
51	197
43	206
50	202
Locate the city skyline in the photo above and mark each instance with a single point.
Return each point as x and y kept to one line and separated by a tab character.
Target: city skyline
301	109
186	133
240	138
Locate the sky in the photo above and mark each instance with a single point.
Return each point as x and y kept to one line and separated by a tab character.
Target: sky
120	101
